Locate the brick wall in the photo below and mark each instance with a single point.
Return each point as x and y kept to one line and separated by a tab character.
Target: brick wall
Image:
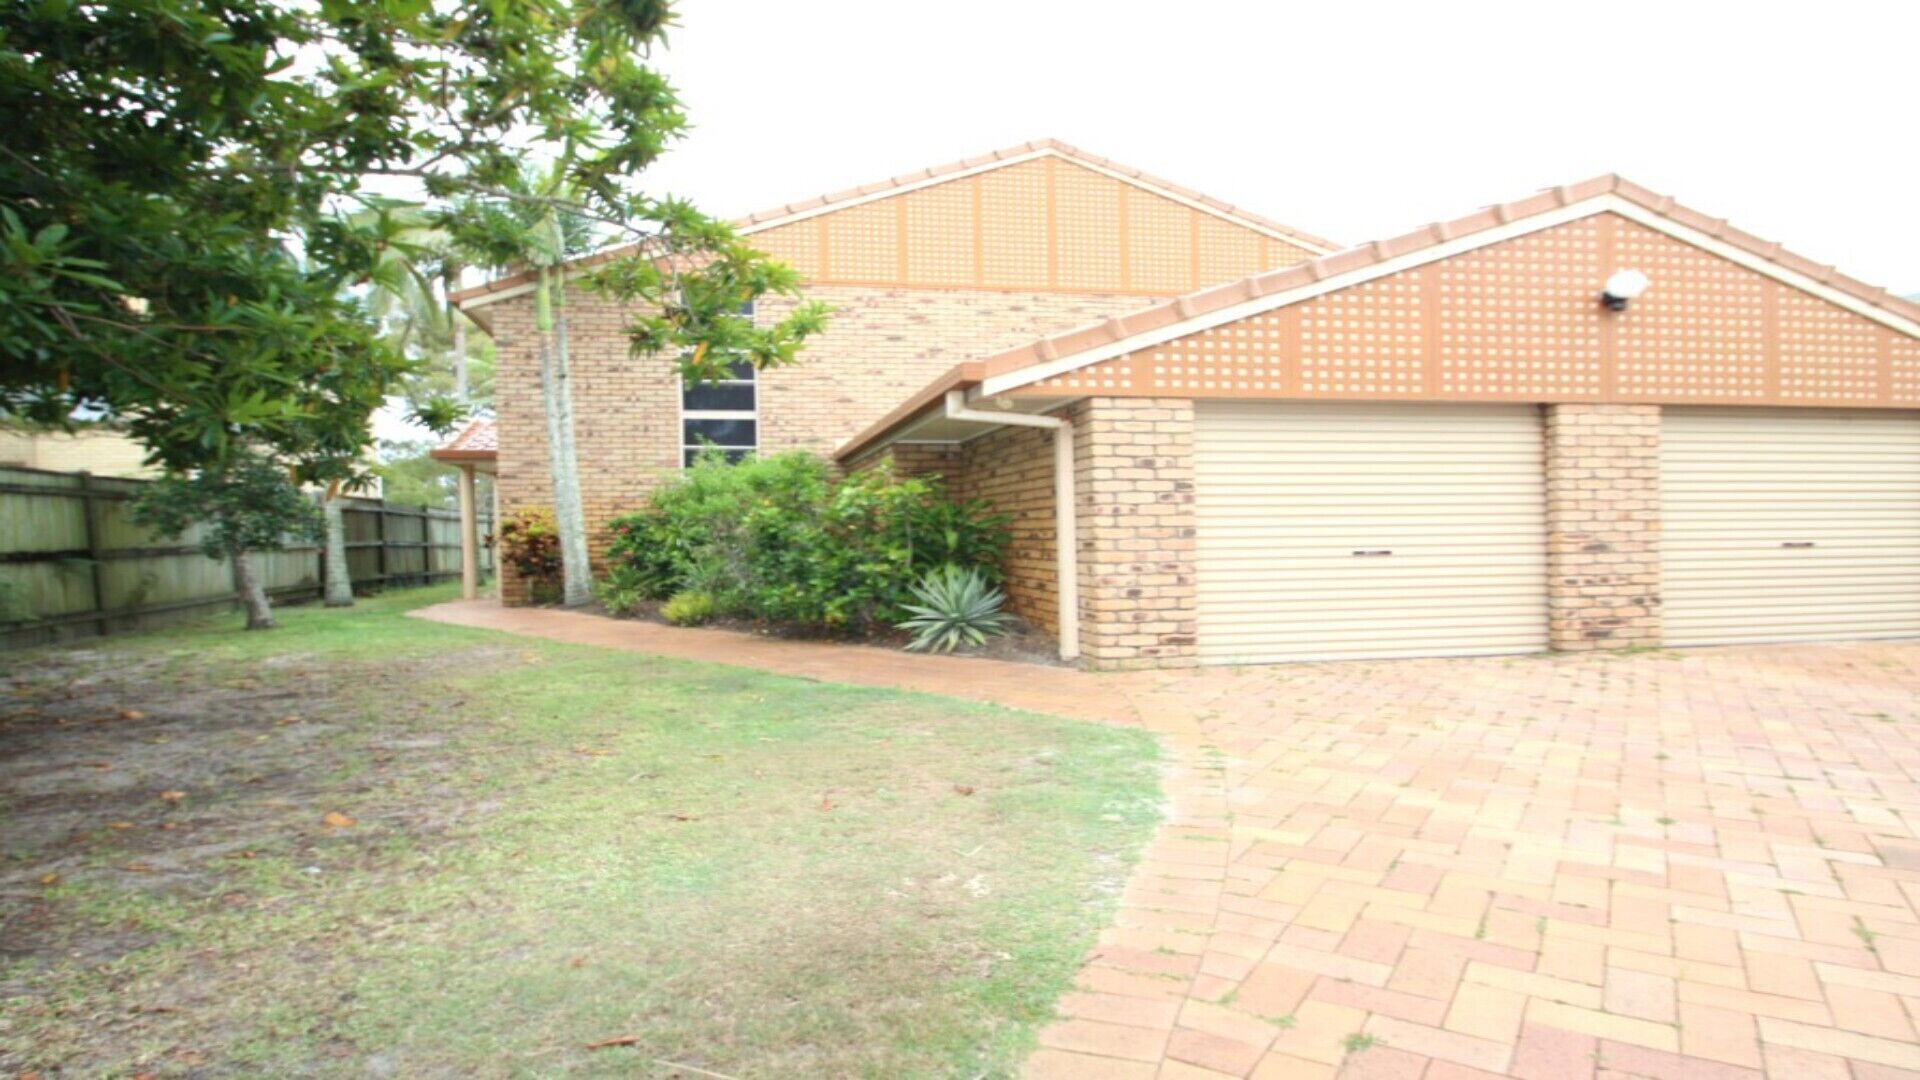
1603	525
882	345
1012	467
1134	483
923	459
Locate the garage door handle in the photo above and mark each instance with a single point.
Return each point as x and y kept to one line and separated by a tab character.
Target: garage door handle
1375	551
1798	544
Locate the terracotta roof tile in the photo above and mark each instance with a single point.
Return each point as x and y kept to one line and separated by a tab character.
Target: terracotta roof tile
479	440
764	218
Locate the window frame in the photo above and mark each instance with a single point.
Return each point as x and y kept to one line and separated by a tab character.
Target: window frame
752	415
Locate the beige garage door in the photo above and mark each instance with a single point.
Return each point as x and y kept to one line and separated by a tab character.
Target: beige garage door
1332	530
1789	525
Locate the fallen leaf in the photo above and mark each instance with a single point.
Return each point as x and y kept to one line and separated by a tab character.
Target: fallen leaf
119	824
145	1076
98	764
591	751
683	817
578	961
337	820
963	789
173	796
132	714
49	879
617	1040
825	803
288	719
138	868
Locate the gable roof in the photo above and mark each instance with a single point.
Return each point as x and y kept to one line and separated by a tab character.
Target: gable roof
1084	346
512	284
1220	304
478	441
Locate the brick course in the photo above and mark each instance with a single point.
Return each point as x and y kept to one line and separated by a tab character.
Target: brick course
1603	525
1134	482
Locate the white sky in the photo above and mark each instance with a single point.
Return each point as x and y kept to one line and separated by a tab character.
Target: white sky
1350	120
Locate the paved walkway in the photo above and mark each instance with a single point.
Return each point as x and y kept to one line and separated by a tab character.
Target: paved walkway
1694	864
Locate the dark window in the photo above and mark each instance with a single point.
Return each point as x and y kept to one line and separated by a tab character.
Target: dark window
721	433
722	415
718	397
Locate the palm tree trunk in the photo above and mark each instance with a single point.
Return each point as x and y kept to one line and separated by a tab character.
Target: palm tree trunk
450	278
253	594
563	466
570	512
339	577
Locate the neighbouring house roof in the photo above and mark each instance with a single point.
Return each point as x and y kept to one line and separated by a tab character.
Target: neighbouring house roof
478	441
1013	155
1082	346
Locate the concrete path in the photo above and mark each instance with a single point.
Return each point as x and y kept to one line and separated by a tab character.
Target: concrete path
1698	864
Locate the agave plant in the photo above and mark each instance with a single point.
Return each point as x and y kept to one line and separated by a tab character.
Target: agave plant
956	607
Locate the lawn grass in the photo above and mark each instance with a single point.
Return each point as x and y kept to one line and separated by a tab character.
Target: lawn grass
551	846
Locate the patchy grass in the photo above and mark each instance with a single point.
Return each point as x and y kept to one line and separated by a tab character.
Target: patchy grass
365	844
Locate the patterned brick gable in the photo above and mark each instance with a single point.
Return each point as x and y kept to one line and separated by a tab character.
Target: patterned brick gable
1519	320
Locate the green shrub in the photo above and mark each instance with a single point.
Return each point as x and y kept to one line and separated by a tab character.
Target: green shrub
954	607
777	539
621	592
530	543
688	608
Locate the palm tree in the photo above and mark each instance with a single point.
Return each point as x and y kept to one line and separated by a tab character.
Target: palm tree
535	232
556	398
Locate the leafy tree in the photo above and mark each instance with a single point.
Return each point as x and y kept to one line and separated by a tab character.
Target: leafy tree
188	223
247	504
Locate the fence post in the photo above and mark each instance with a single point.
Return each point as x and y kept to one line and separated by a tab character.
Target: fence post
320	553
96	552
380	534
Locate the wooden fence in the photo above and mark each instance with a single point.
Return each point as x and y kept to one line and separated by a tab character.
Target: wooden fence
73	563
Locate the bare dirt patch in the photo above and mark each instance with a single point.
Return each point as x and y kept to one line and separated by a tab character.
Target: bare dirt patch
159	775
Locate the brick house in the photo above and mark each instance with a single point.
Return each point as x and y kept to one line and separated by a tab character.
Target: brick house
1590	418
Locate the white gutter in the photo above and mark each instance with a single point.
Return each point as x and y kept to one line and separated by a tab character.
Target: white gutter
1066	543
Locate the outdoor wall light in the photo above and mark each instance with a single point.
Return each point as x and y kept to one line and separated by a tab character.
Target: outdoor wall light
1623	286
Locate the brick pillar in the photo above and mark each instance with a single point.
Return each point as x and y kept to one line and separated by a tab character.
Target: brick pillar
1603	525
1133	480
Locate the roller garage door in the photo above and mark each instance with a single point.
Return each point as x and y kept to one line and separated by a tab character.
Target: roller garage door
1789	524
1336	530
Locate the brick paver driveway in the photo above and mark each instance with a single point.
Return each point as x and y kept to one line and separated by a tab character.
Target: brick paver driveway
1690	864
1693	863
